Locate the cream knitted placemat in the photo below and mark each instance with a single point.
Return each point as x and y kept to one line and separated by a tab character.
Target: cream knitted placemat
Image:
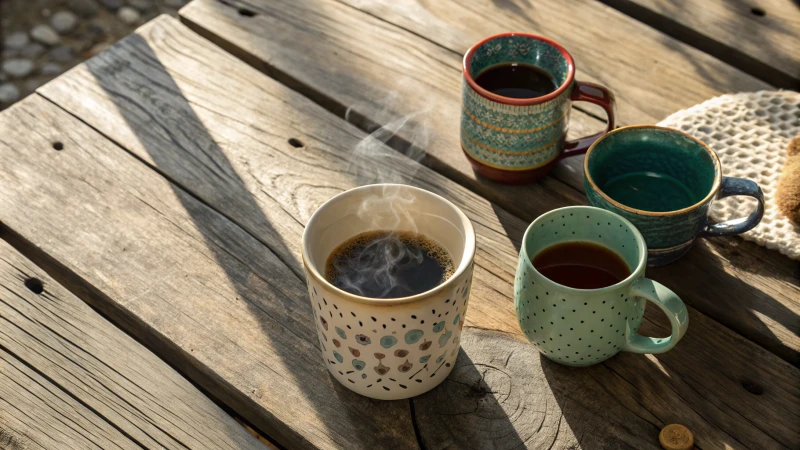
750	132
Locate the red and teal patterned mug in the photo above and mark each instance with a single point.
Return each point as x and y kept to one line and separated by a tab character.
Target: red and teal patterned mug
518	140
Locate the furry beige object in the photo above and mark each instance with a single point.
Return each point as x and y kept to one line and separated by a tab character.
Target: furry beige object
750	132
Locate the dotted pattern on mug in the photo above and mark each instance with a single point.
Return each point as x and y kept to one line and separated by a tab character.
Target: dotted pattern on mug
571	329
390	352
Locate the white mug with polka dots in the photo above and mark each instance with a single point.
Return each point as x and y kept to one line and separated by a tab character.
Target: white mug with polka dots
394	348
580	327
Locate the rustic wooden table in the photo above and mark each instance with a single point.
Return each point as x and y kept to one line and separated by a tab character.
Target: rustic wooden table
166	182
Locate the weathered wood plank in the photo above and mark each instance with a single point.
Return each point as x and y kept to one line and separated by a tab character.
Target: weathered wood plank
326	49
239	122
372	73
70	379
35	414
761	38
189	284
503	394
343	59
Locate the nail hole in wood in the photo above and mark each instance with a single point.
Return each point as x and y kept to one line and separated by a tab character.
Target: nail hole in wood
246	12
752	387
58	146
34	285
295	143
756	11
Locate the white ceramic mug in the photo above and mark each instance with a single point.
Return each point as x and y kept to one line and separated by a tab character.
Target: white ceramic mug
396	348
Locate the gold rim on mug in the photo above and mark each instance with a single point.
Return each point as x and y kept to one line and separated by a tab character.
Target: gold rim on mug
712	153
466	259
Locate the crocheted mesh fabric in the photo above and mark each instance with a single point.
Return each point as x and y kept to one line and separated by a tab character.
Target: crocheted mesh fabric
750	132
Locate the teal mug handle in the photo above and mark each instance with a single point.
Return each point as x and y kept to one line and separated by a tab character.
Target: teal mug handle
672	306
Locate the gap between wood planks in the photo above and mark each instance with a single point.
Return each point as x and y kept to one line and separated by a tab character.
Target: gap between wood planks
82	289
78	287
715	251
251	234
707	43
64	276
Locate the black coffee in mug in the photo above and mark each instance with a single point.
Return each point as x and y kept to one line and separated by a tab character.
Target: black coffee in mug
517	80
388	264
581	265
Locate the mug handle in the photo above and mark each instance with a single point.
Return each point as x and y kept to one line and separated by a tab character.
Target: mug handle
672	306
592	93
737	186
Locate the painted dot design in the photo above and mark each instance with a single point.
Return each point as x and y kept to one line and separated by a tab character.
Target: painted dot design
387	351
576	329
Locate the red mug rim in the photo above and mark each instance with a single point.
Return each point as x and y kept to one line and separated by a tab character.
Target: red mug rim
519	101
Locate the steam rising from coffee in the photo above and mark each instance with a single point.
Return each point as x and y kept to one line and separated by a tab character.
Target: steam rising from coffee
388	262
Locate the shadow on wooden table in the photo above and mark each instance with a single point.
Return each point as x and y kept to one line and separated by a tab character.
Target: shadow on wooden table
504	394
177	123
753	312
473	408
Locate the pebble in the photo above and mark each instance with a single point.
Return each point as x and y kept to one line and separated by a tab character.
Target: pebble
32	50
141	5
8	93
16	40
113	5
45	35
18	67
84	8
128	15
62	53
51	69
64	21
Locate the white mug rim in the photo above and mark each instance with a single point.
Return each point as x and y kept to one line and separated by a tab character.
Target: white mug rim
464	264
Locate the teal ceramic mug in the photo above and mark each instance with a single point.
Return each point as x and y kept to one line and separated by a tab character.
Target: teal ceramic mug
664	181
580	327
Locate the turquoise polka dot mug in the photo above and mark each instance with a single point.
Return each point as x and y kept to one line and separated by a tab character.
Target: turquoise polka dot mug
581	327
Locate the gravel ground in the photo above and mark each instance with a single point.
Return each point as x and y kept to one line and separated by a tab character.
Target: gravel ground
40	39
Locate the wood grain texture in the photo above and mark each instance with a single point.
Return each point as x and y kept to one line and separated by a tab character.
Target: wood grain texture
371	64
69	379
761	38
190	285
237	157
342	58
372	73
503	394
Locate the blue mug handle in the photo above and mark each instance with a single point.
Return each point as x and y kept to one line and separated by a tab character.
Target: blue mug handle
737	186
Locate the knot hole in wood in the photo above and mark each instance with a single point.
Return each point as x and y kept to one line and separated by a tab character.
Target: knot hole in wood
58	145
752	387
34	285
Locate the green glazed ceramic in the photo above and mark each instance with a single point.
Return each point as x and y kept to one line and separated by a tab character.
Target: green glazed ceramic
664	181
580	327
